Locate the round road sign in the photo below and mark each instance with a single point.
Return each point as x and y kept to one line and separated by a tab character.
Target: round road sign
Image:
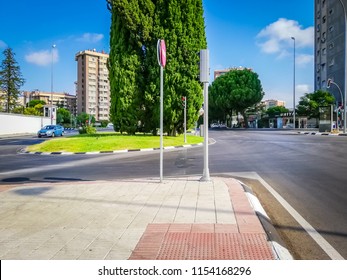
161	53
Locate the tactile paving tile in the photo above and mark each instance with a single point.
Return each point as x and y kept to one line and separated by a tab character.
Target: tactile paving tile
192	245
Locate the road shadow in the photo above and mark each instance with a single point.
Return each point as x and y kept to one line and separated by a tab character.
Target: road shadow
25	180
36	191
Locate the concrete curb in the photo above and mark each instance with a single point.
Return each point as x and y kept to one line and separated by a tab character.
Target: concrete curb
277	243
23	151
321	133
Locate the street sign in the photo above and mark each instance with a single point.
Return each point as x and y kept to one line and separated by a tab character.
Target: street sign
161	53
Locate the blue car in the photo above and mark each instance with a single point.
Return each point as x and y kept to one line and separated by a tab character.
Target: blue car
51	131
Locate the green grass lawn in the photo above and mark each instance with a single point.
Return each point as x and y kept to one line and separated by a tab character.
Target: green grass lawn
109	142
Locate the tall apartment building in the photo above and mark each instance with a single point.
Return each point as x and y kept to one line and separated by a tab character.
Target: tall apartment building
330	45
93	87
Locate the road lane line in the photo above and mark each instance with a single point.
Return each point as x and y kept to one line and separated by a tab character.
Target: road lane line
327	248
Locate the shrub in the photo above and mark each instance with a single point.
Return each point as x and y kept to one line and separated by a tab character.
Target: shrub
87	130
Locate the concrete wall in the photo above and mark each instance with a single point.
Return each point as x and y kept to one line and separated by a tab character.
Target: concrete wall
21	124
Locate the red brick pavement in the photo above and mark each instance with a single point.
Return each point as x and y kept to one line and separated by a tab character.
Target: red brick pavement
245	240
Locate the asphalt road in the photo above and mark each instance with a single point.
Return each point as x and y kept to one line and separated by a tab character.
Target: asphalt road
308	171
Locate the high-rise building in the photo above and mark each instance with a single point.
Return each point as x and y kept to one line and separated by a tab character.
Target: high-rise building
93	87
330	45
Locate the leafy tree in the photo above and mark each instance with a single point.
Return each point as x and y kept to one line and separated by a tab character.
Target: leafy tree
32	111
10	79
276	111
18	110
236	90
34	102
309	103
63	116
83	119
133	68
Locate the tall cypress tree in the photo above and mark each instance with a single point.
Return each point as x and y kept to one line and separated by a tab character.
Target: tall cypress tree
10	79
134	71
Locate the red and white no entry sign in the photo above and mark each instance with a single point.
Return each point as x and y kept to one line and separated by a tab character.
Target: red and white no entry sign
161	48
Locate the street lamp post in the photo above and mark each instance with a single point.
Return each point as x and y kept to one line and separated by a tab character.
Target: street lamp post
345	89
293	38
53	46
330	81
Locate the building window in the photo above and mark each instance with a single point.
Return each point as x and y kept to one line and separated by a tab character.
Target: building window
332	62
331	46
324	19
331	11
324	51
323	66
331	28
324	36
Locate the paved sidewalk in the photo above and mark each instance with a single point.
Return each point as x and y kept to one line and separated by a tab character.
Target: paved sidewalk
180	218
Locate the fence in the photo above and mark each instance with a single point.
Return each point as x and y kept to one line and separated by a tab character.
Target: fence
21	124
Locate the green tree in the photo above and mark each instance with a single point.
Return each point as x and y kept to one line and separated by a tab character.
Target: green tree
236	90
10	79
276	111
63	116
309	103
34	102
32	111
83	119
136	26
18	110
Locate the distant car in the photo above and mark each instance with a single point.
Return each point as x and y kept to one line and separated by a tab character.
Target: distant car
109	125
51	131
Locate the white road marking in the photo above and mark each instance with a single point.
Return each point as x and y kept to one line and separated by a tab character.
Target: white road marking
325	245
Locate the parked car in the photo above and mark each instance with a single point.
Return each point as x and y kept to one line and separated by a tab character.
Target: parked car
51	131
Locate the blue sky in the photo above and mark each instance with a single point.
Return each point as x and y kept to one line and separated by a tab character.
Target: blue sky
253	34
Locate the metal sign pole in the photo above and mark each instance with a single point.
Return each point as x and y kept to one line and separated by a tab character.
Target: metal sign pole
206	174
204	78
161	56
161	122
185	119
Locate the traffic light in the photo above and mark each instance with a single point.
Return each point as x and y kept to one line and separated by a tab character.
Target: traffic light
184	101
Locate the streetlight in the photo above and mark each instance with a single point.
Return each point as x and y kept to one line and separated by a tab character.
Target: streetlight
53	46
345	89
293	38
330	81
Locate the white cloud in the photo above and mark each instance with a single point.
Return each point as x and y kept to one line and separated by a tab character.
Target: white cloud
43	58
90	38
2	44
303	59
276	38
302	89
